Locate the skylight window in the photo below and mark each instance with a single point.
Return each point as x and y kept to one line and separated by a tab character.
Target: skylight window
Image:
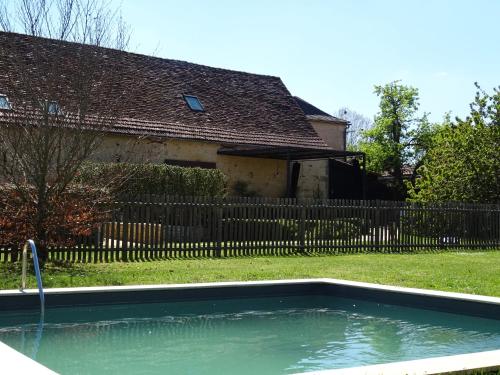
194	103
4	102
53	108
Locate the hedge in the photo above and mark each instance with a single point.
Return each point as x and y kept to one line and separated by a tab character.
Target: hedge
129	179
337	229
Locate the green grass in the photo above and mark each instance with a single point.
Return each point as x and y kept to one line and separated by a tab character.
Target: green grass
467	271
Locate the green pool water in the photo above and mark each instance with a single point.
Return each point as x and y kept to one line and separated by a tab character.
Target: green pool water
240	336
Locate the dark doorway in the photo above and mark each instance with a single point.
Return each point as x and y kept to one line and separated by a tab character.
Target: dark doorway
345	180
294	181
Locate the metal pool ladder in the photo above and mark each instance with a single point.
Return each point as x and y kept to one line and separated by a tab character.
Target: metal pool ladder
37	271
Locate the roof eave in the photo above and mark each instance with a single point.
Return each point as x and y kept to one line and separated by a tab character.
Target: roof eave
328	119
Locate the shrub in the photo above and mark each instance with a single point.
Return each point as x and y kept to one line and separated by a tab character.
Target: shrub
443	221
335	229
149	178
75	212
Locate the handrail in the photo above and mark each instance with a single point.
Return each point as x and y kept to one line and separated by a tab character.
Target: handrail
37	271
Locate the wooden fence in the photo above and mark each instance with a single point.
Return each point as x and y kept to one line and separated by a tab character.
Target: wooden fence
154	227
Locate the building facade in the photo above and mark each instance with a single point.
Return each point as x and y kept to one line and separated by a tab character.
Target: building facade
247	125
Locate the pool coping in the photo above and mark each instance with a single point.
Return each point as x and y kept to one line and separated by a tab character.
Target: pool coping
453	364
358	284
457	364
14	362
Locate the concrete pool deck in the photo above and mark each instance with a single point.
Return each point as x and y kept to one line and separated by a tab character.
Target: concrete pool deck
468	304
13	362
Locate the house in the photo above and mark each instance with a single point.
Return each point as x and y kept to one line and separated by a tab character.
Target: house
247	125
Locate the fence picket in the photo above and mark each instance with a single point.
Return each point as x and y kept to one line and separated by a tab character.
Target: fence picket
153	227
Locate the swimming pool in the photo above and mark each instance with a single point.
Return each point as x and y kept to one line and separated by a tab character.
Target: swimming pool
245	328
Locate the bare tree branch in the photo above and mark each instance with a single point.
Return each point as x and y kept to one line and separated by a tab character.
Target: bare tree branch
357	124
5	23
63	97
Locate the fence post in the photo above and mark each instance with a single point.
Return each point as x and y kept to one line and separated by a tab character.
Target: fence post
125	220
377	224
219	215
302	228
14	254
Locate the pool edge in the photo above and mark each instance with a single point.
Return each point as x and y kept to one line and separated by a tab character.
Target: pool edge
327	281
453	364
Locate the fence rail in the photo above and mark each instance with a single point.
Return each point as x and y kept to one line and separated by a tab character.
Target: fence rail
153	227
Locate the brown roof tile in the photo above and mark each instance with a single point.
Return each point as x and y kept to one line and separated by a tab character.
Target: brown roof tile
240	108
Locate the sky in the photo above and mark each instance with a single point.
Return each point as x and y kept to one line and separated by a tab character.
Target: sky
331	53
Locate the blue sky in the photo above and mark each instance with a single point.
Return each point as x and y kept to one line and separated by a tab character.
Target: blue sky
331	52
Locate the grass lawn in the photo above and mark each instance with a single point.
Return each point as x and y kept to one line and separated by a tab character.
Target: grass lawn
467	271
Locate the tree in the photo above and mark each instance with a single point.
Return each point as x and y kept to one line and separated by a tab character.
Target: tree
462	163
358	124
58	105
396	139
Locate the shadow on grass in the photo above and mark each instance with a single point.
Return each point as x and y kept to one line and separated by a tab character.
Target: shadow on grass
53	267
73	268
188	255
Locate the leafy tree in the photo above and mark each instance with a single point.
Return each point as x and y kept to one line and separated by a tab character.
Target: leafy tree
398	137
462	163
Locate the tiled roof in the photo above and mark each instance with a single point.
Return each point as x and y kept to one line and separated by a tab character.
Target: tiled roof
314	113
240	108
